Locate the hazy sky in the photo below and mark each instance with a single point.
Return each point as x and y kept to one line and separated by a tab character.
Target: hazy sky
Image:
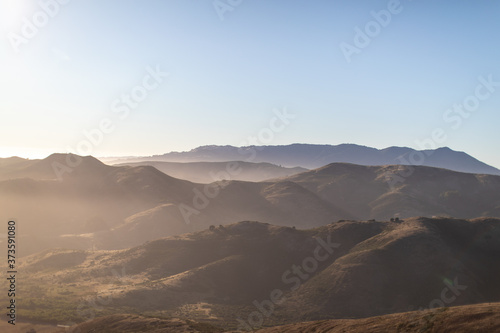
375	73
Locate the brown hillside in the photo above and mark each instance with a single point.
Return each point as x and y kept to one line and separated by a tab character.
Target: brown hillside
217	275
480	318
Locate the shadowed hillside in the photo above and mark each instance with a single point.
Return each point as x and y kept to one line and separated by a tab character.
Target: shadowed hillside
382	192
350	269
95	206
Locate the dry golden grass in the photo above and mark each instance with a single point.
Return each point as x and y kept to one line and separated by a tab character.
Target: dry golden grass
480	318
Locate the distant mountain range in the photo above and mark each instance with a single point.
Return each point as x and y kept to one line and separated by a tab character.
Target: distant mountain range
314	156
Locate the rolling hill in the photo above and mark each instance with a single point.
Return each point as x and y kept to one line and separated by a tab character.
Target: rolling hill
115	207
228	275
381	192
481	318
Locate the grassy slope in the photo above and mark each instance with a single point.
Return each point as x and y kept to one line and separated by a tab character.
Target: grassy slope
480	318
214	276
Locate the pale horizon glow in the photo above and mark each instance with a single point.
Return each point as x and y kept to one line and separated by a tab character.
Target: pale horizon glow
226	77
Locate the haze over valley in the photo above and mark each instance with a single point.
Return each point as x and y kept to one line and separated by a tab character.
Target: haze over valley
122	206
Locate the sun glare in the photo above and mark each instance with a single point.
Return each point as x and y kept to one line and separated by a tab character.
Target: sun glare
12	12
15	6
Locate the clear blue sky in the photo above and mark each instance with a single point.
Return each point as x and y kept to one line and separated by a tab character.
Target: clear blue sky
227	76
